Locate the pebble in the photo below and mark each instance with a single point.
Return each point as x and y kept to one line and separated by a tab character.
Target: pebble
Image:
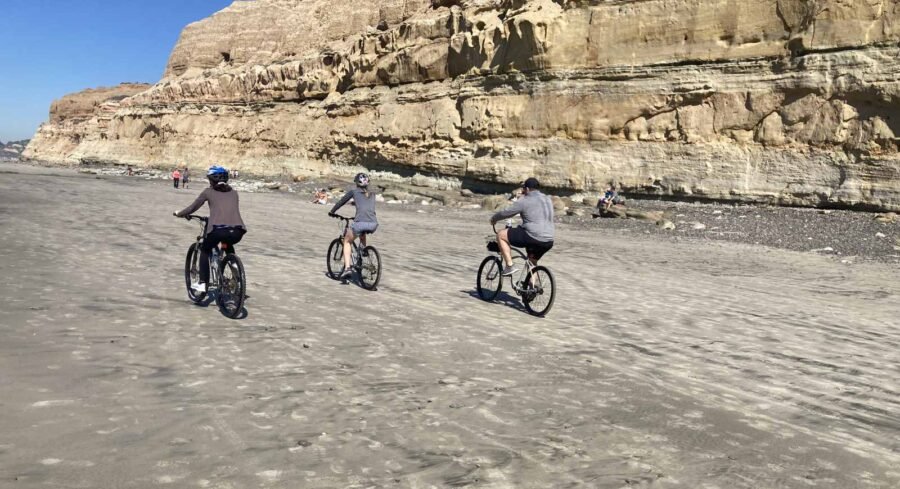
838	232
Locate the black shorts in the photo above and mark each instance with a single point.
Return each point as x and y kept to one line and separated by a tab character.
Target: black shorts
520	239
231	235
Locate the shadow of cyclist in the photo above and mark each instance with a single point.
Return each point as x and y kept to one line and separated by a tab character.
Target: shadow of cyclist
502	298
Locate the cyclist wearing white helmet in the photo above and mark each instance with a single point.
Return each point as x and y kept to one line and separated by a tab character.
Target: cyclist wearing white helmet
365	221
225	224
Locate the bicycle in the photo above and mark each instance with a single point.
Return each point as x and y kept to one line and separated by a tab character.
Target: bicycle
226	274
366	262
536	285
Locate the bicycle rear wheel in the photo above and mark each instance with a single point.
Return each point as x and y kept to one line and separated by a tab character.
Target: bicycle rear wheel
490	280
370	269
192	273
232	287
540	291
335	258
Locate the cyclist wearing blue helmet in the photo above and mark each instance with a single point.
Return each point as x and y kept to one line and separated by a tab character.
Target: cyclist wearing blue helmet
365	221
225	224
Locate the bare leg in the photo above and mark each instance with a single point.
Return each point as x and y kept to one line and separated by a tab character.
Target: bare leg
505	251
348	239
362	239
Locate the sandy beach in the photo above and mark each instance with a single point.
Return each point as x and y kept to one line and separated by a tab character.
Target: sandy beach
664	363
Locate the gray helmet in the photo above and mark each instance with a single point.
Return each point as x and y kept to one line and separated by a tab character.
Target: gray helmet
361	180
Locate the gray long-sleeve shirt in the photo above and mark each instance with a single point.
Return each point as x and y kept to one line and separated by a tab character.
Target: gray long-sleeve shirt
365	206
224	209
537	215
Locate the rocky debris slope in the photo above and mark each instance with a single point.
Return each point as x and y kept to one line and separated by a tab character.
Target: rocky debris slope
12	150
778	101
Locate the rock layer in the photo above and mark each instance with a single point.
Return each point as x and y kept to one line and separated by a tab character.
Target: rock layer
784	101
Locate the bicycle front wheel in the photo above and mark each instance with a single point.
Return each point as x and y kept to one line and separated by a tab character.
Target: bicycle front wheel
192	273
539	291
490	280
370	269
232	287
335	258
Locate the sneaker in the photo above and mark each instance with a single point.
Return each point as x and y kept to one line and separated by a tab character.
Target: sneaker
509	270
347	274
199	288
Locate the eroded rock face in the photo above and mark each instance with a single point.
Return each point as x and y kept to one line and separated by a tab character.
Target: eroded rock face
784	101
76	119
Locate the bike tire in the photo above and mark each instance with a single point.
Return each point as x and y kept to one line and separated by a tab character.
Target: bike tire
539	297
335	258
192	273
232	287
370	271
490	280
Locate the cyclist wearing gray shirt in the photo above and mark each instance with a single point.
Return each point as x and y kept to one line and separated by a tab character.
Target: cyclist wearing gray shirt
364	223
537	230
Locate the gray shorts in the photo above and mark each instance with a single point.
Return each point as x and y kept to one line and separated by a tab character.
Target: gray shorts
363	227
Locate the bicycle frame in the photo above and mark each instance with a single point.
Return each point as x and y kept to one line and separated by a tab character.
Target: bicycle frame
215	258
355	257
517	254
354	248
524	273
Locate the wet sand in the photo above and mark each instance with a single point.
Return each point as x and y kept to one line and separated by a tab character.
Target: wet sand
663	364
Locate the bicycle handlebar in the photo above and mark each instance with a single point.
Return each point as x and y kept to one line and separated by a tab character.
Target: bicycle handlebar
199	218
338	216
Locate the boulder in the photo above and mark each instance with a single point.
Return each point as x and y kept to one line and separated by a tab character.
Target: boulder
559	205
494	203
666	225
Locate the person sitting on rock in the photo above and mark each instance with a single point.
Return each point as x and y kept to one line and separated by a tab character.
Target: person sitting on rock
609	199
320	197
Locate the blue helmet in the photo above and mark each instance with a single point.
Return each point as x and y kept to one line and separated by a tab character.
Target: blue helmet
217	174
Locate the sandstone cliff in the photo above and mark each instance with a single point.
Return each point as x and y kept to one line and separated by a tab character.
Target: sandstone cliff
77	119
785	101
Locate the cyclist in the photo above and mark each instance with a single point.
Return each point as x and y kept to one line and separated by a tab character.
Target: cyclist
225	224
365	221
536	232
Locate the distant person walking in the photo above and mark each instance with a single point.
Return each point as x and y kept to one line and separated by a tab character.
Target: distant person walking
176	177
130	171
185	178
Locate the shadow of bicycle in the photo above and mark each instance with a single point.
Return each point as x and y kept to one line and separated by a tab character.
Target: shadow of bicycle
502	298
210	300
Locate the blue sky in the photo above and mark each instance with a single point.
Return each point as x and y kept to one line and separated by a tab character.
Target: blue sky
50	48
